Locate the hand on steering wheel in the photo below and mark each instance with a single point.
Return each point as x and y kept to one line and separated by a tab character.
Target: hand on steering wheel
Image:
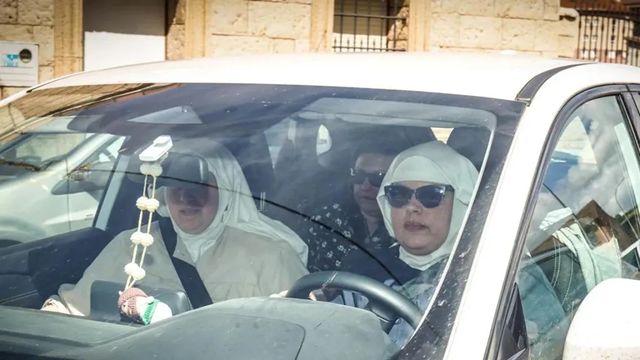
385	302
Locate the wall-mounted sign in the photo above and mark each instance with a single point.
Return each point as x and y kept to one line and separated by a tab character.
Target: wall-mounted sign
18	64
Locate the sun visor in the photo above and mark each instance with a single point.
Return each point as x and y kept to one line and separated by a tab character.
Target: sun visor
382	112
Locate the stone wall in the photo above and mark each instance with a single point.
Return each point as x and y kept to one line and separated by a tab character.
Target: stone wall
255	26
29	21
176	25
243	27
527	26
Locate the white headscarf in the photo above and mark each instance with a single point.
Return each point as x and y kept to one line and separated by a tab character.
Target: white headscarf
437	163
236	207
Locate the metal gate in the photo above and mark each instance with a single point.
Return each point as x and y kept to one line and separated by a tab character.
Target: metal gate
607	31
369	25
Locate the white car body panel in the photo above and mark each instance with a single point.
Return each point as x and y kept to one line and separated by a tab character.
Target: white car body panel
447	72
475	317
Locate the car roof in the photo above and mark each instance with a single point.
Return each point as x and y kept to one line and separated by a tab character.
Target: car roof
496	75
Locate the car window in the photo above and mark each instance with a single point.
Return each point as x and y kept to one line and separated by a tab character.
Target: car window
585	225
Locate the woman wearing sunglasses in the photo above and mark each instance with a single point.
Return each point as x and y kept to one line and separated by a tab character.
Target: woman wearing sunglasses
353	222
423	199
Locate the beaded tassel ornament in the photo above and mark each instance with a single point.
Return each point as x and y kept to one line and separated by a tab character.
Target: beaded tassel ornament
133	302
143	239
147	203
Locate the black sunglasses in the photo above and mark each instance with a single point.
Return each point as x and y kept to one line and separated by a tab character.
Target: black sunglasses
430	196
359	176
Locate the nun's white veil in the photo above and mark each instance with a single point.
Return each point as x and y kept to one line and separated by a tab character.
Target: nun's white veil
437	163
236	207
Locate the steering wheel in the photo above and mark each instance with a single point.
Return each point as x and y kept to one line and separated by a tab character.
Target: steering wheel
386	303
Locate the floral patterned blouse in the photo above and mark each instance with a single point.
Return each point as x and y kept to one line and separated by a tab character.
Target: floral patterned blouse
335	231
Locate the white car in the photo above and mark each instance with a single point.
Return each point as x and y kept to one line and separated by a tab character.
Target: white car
541	262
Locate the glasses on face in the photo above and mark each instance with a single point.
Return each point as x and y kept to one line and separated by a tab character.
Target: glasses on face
430	196
358	177
196	196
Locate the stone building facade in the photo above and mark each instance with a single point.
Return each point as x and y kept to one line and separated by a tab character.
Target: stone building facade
197	28
528	26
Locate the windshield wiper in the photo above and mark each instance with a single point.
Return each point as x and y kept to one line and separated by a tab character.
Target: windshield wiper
20	164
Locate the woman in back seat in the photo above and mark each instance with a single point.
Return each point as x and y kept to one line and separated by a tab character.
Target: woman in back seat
354	224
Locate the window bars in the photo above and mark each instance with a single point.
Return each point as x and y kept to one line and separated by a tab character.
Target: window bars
608	31
370	25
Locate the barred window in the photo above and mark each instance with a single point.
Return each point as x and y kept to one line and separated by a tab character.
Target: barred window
608	30
370	25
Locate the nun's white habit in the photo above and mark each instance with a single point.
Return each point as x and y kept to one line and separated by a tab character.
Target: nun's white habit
241	254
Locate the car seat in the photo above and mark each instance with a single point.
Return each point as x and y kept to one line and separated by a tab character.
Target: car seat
252	154
471	142
564	272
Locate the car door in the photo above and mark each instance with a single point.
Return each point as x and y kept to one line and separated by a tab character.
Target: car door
583	225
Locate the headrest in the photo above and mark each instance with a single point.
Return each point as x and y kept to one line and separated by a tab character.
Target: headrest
470	142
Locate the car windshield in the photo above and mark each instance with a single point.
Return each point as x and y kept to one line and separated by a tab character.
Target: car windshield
254	186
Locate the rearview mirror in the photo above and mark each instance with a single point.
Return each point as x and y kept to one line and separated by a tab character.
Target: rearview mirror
606	323
180	170
184	170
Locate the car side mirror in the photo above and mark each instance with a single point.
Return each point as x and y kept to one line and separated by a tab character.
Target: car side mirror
605	325
79	175
84	179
